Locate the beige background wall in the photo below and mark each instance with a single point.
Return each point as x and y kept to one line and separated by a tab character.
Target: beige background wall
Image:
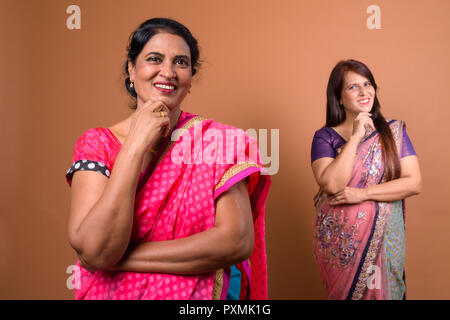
266	65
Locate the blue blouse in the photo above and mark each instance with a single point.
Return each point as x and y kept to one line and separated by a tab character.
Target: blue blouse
327	141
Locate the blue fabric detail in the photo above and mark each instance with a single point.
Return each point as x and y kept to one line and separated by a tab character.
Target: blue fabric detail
235	284
395	251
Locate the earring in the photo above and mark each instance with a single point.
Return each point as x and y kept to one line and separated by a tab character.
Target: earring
131	84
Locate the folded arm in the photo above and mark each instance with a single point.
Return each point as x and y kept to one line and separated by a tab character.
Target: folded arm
407	185
333	175
101	211
230	241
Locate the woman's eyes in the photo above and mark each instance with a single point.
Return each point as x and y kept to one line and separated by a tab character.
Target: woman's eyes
181	62
354	86
154	59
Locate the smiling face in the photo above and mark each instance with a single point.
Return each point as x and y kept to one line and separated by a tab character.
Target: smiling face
162	71
357	93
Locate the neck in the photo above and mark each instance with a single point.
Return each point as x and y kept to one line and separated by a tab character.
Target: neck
174	115
349	118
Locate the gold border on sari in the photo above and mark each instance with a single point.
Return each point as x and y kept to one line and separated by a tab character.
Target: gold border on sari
234	170
189	124
373	250
218	285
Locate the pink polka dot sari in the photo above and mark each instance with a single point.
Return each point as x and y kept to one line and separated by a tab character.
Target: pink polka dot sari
175	199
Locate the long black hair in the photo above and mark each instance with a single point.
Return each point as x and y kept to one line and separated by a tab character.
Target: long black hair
336	112
140	37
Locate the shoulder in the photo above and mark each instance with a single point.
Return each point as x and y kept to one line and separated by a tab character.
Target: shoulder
325	133
94	132
219	125
210	124
94	136
97	140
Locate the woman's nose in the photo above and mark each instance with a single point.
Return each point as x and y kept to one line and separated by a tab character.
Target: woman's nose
168	71
362	91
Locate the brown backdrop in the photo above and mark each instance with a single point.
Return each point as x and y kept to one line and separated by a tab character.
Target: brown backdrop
266	65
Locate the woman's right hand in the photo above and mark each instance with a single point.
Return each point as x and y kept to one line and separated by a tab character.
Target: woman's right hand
147	125
361	123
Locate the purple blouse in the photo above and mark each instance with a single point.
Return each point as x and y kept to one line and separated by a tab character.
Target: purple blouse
327	141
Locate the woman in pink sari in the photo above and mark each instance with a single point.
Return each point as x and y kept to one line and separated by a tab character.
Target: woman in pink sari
165	204
365	167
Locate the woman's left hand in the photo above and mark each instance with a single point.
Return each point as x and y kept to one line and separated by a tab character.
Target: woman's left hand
348	196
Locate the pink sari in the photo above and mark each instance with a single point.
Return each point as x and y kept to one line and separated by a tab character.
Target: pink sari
360	248
175	199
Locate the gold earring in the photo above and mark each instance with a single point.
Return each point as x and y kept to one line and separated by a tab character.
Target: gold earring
131	84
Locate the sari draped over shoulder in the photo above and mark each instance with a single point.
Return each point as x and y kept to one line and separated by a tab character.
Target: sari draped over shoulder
360	248
175	199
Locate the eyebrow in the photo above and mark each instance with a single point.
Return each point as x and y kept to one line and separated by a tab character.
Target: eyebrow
154	52
182	56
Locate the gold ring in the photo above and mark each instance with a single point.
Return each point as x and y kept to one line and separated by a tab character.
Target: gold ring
161	114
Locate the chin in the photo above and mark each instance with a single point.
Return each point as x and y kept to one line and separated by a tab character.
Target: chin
170	104
365	109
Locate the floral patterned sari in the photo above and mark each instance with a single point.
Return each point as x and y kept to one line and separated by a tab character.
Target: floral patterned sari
360	248
175	199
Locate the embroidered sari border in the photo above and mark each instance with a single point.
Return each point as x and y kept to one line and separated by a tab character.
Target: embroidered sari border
376	132
235	174
357	278
373	250
374	243
189	123
218	284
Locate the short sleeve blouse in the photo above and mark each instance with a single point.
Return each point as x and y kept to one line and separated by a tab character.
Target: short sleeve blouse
327	141
95	150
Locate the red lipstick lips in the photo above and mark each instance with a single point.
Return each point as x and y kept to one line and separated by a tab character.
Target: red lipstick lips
165	87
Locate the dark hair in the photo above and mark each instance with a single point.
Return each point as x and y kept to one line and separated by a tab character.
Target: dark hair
145	32
336	113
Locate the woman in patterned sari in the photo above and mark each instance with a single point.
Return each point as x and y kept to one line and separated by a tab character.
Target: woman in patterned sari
162	206
365	167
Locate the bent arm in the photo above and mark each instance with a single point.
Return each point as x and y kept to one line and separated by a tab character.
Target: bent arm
333	175
101	211
409	183
230	241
